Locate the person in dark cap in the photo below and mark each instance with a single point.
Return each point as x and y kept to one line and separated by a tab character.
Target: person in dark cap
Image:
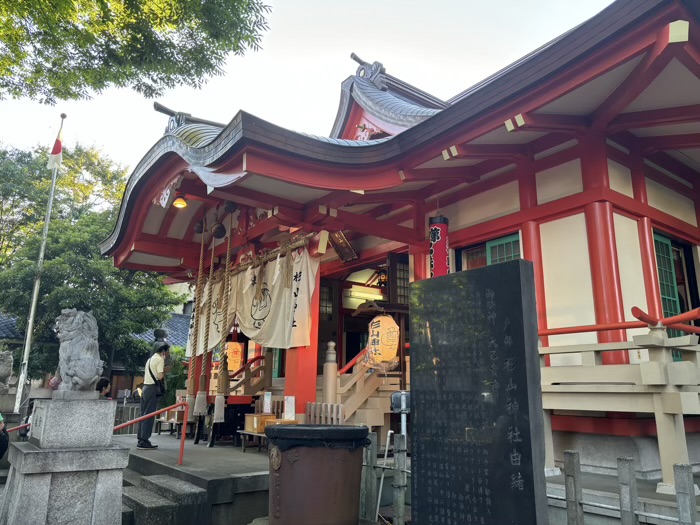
153	387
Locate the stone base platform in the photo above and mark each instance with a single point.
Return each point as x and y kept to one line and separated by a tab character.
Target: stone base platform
265	521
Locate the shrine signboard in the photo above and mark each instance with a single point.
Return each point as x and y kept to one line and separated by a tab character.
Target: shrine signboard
476	403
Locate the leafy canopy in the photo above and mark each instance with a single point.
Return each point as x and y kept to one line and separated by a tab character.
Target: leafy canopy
66	49
86	181
75	273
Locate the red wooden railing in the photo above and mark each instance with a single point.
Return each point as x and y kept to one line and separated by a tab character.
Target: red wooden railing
352	362
645	320
158	412
20	427
246	366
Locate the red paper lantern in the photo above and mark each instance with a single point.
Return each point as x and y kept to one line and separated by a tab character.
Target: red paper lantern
439	246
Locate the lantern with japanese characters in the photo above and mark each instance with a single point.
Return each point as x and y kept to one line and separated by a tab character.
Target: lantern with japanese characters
383	344
439	246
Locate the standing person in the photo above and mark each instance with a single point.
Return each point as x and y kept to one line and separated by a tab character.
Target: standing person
154	373
4	437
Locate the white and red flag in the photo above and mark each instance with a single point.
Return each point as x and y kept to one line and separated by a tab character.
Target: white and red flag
56	155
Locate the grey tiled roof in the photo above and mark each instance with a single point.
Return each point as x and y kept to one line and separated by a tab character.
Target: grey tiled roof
8	329
178	327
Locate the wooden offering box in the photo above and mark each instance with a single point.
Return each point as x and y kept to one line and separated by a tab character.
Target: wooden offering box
280	422
256	422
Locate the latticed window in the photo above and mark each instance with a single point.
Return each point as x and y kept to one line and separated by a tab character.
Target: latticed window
667	283
326	303
503	249
402	283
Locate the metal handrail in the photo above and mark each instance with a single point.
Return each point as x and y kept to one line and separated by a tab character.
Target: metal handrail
158	412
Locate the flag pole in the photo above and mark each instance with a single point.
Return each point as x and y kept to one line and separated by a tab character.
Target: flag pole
39	268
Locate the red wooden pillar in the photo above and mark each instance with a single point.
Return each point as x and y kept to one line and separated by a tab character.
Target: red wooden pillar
605	275
646	239
532	251
301	364
651	274
602	251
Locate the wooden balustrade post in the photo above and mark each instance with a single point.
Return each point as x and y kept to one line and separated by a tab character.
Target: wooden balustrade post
685	494
330	375
629	503
574	490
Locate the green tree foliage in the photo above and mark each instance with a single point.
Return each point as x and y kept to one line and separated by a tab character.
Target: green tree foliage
75	274
86	181
67	49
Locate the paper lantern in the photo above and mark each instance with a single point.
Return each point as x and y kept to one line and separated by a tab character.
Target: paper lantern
383	343
439	246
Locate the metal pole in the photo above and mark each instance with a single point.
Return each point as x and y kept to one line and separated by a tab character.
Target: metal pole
381	481
37	284
404	430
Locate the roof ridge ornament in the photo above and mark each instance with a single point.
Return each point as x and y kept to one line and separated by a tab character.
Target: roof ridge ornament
374	72
177	118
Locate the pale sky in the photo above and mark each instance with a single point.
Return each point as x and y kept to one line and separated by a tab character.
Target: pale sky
442	47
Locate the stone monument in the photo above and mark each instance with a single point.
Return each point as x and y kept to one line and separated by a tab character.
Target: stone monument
476	403
7	398
69	471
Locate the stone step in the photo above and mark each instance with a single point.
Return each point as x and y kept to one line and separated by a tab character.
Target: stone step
149	507
131	478
127	515
3	475
190	499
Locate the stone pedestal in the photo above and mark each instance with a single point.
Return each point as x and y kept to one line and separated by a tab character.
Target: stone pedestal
69	471
7	403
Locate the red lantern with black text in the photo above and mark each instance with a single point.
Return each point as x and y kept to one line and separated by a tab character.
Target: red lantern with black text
439	246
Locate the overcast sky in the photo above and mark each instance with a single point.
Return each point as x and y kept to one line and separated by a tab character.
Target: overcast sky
442	47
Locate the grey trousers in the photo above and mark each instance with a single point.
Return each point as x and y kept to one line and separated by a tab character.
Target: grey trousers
149	402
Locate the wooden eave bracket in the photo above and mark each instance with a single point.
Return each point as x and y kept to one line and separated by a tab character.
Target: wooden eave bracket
485	151
570	124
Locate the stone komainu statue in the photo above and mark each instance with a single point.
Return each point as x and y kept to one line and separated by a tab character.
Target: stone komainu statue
6	361
79	363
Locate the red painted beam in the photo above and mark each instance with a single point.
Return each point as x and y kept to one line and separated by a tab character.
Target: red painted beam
570	124
364	224
337	268
689	56
457	173
485	151
315	177
665	142
655	117
166	249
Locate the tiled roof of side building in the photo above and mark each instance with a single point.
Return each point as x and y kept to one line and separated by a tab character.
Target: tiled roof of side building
8	329
178	327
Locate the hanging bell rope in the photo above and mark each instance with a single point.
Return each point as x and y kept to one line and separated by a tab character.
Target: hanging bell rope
194	341
200	403
222	384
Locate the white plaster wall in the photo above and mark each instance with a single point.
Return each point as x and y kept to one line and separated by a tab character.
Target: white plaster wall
483	207
668	201
367	242
629	258
620	178
559	181
567	282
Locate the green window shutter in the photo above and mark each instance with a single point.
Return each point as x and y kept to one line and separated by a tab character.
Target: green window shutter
503	249
667	283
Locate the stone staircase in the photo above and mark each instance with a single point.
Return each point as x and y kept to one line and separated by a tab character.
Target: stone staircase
161	500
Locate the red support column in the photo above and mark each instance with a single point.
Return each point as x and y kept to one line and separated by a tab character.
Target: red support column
651	274
532	251
302	363
605	275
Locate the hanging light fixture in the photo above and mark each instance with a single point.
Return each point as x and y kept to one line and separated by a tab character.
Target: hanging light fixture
180	201
382	277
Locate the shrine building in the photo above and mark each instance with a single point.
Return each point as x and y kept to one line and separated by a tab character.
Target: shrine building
582	157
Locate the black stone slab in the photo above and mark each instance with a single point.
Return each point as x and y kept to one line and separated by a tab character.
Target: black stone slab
476	402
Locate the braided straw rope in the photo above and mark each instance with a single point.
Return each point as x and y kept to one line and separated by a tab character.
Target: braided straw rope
195	329
222	385
200	403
